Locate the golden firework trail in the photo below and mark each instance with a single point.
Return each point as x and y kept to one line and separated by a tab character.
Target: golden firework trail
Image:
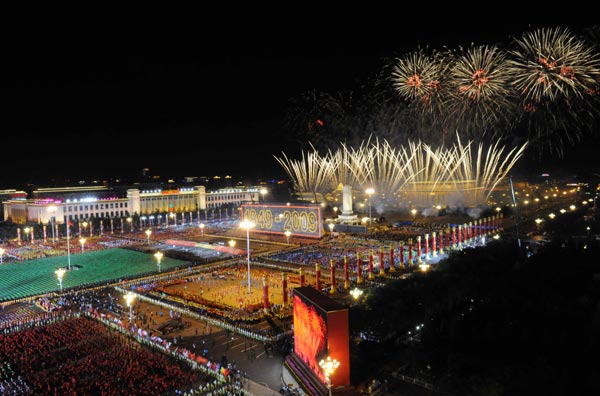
416	173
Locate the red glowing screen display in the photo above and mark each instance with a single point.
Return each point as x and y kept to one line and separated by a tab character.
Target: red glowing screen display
310	333
321	330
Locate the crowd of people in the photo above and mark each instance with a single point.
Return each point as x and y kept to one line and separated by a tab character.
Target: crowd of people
59	352
81	356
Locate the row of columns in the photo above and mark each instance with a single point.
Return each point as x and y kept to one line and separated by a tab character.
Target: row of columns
453	238
130	227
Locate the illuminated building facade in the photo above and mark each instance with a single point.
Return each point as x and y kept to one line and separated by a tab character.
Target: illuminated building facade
7	195
85	203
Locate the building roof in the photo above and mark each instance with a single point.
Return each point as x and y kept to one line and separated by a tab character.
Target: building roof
318	299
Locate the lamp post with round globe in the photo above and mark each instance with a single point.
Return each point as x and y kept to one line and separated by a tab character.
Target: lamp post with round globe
52	211
158	256
247	225
356	293
129	297
288	234
68	245
26	230
263	192
231	245
59	274
148	233
82	241
329	365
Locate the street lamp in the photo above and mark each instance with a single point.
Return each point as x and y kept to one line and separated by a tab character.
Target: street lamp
370	191
148	232
130	221
82	241
331	227
231	245
329	366
59	274
27	230
247	224
68	244
335	209
288	233
129	297
52	211
202	225
356	293
1	254
159	256
263	192
84	225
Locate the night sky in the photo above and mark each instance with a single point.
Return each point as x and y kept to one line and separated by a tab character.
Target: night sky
102	100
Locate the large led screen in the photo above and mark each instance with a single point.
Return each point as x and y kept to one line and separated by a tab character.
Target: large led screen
297	219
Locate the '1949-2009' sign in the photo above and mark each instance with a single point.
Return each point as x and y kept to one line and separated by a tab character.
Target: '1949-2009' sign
299	220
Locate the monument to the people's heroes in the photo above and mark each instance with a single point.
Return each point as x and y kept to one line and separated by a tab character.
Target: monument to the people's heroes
347	216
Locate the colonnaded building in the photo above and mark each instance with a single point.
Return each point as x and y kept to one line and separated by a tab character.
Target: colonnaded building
155	206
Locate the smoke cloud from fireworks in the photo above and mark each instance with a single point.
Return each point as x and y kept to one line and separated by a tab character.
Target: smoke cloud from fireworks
412	175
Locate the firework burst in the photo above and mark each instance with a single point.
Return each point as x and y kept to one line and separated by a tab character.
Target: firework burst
556	76
418	76
479	92
552	63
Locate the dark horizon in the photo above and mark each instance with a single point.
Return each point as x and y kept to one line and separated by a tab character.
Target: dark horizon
185	103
